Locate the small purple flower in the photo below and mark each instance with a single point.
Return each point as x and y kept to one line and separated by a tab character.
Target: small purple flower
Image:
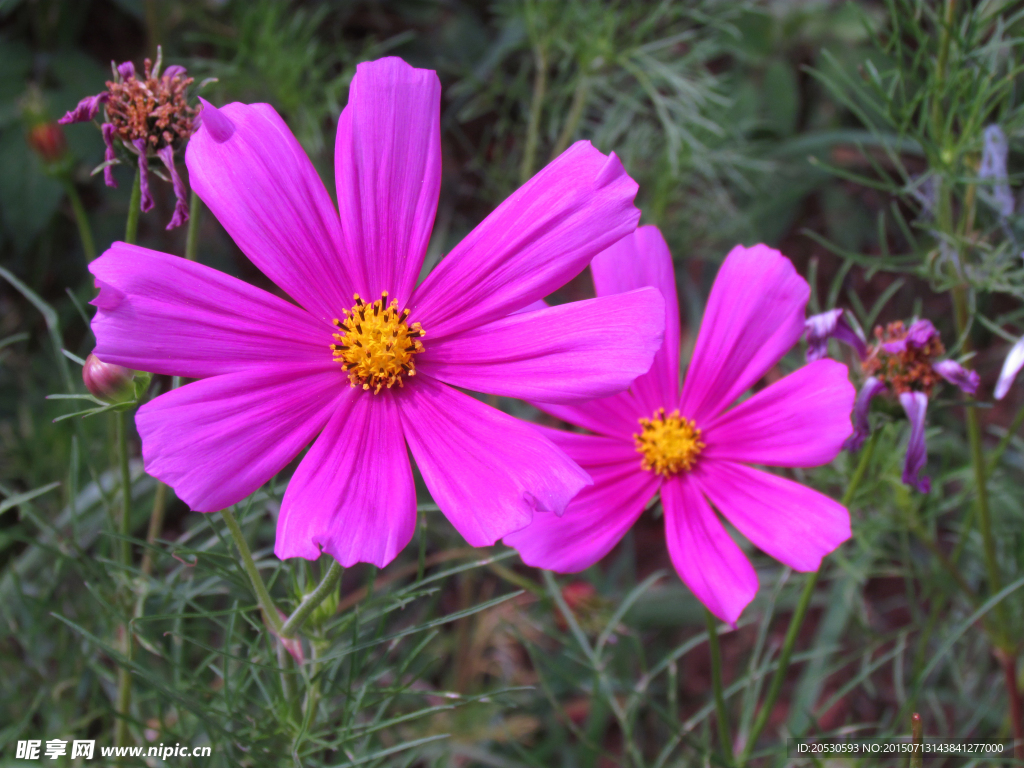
149	118
831	325
993	166
371	380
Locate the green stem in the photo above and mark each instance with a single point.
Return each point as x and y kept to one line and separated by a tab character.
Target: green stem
312	600
579	102
540	86
131	228
724	737
126	488
195	210
1004	443
917	737
796	622
124	692
156	525
270	614
81	219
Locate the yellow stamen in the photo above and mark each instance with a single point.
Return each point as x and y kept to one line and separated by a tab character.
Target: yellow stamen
669	444
376	345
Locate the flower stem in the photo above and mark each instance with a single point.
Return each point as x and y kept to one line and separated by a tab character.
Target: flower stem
540	85
126	488
724	736
997	454
796	622
131	228
270	614
124	691
1008	661
81	219
917	737
195	210
312	600
156	525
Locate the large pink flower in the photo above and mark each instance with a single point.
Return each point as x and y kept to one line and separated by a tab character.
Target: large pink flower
694	451
370	375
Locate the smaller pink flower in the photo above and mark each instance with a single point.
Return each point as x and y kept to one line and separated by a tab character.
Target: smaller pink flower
694	450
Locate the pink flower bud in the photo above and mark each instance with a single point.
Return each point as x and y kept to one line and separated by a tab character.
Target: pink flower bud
47	140
108	382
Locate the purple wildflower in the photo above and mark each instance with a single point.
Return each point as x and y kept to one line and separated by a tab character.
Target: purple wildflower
369	360
694	450
993	167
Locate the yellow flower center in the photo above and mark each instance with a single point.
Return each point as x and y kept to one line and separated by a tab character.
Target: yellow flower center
376	345
668	444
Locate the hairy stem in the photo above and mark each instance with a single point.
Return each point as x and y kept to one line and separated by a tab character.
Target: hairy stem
81	219
312	600
724	736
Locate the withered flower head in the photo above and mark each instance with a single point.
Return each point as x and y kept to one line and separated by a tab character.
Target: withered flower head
902	357
904	361
149	117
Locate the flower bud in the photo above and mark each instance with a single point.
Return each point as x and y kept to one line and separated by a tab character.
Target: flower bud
47	140
108	382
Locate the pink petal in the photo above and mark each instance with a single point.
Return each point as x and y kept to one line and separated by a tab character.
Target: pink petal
572	352
536	241
799	421
708	561
487	471
246	165
1011	367
636	260
755	314
217	440
956	374
599	516
86	109
792	523
388	170
352	495
916	406
615	416
163	314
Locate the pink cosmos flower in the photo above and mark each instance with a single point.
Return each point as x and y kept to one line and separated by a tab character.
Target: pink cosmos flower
692	448
369	360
